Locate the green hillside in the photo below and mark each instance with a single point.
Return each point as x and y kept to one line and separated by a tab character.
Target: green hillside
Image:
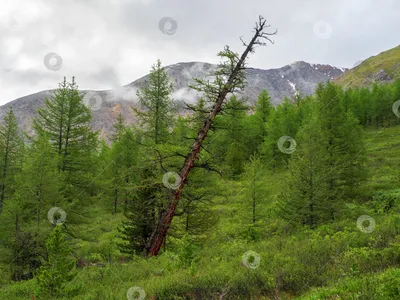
295	259
295	201
250	238
365	73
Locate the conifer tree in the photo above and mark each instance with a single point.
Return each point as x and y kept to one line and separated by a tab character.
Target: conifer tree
54	277
252	178
140	214
200	113
157	107
114	161
181	133
283	121
123	164
38	188
229	145
65	120
302	201
39	183
194	215
119	128
263	108
343	145
11	146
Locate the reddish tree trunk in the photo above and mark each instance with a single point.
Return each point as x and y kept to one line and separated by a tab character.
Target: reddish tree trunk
160	232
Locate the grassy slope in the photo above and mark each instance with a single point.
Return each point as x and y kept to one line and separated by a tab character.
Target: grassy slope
363	74
383	165
220	270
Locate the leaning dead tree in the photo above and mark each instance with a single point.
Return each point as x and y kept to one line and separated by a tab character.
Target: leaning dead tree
229	78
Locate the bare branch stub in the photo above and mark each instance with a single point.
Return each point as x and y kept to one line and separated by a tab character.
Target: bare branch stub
261	35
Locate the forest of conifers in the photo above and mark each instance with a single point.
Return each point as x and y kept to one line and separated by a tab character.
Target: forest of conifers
295	200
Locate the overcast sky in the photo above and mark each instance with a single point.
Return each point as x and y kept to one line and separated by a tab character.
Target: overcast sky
109	43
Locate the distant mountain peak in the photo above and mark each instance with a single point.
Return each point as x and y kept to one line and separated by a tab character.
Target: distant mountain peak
298	77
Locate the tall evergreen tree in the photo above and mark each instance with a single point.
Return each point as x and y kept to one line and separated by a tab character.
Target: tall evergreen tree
252	176
330	118
140	214
11	146
65	120
283	121
119	128
302	202
53	277
328	164
156	118
343	145
123	166
229	144
39	183
263	108
157	107
200	113
37	190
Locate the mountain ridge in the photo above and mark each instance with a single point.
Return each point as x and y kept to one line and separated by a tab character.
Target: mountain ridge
298	77
383	67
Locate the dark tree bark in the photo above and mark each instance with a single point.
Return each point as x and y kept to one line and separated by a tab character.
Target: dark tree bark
158	236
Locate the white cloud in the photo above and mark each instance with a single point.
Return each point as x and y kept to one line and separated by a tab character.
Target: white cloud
109	43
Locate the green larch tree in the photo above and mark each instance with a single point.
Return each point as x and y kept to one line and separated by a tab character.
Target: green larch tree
54	277
156	113
65	120
302	201
11	146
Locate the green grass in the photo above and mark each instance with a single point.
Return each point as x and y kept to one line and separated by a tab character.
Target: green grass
383	159
381	286
363	74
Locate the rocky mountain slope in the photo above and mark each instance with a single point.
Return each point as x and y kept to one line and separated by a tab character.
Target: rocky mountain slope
299	77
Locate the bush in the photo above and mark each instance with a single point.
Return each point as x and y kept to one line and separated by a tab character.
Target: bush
386	201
